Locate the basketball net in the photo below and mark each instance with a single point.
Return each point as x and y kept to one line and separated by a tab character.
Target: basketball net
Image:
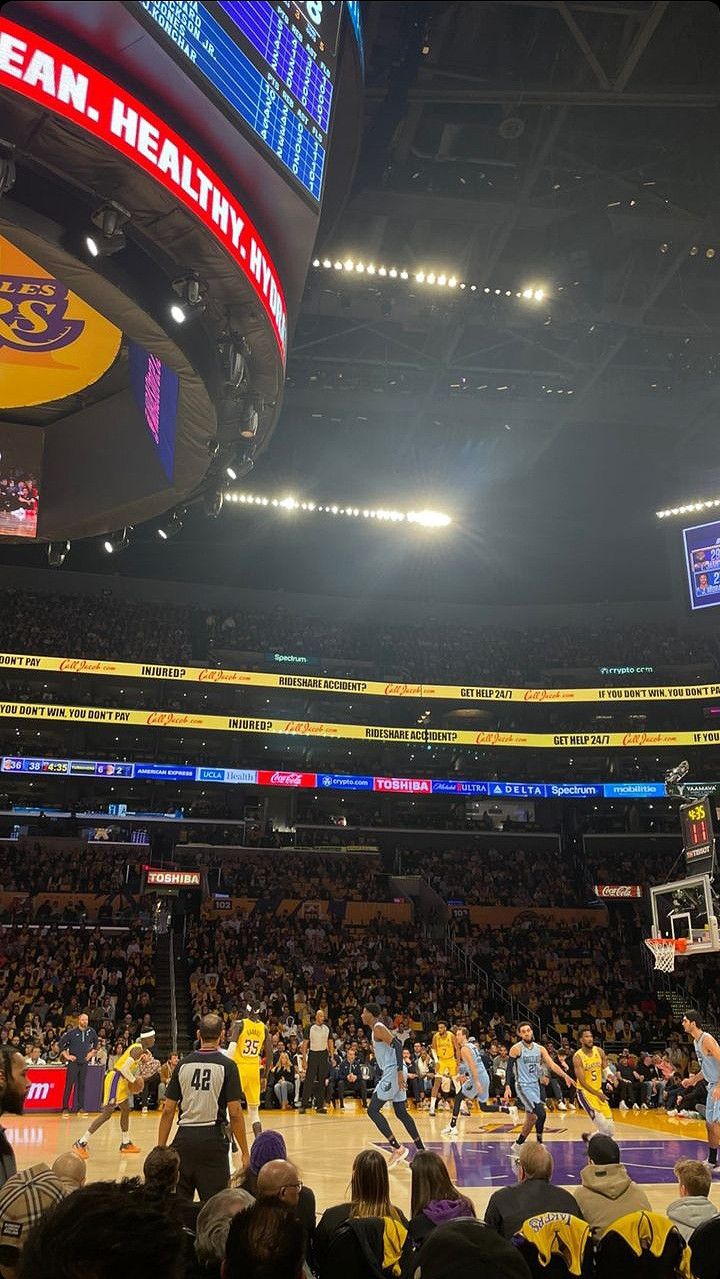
663	951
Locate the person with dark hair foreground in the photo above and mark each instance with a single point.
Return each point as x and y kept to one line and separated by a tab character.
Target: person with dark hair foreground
13	1090
434	1200
206	1087
534	1193
104	1231
467	1248
607	1191
369	1198
265	1242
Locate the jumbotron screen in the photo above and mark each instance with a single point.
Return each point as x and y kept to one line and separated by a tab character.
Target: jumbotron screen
702	561
21	450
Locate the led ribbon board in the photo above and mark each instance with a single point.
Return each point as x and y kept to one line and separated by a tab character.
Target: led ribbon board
70	88
299	780
188	720
358	687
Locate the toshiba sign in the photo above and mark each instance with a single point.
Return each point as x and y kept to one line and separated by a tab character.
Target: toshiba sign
155	878
618	890
61	83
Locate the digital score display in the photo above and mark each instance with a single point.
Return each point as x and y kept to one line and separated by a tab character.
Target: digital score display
697	834
702	561
271	66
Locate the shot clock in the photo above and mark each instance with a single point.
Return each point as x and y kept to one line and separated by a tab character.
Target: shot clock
696	824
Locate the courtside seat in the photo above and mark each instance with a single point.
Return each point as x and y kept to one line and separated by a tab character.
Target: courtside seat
642	1245
705	1250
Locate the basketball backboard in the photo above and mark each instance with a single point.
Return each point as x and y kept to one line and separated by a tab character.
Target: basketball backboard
686	910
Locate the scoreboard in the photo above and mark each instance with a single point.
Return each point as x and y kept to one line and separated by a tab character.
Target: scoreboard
270	67
698	837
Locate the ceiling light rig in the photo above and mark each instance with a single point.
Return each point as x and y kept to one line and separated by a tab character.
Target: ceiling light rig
425	518
690	508
439	279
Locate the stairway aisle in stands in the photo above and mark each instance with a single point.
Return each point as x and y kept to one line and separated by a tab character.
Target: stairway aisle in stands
183	1010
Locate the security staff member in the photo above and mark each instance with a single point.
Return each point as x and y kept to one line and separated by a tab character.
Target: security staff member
316	1051
77	1049
205	1086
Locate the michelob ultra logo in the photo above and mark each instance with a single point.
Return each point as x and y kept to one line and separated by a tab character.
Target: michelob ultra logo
52	344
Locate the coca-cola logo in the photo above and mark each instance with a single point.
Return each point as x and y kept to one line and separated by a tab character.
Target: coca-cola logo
618	890
286	779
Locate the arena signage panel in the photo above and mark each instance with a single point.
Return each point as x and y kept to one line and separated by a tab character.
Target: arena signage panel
157	878
47	1088
334	781
52	344
358	687
59	82
113	716
618	891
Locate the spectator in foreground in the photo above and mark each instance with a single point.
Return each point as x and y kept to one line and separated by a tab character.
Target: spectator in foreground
71	1170
467	1248
104	1231
534	1193
213	1226
269	1146
13	1088
434	1200
24	1200
266	1242
607	1191
693	1208
369	1197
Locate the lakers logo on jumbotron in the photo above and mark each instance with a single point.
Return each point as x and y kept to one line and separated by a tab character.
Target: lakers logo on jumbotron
52	343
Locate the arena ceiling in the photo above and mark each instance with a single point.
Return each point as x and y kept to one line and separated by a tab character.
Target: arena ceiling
568	146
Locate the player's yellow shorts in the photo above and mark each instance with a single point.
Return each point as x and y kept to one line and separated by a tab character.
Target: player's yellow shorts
447	1066
250	1083
592	1104
115	1088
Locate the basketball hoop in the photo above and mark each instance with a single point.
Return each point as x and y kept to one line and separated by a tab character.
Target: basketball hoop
664	950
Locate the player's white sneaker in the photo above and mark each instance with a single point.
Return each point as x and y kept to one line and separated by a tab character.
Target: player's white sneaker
450	1132
624	1106
635	1106
671	1113
712	1168
561	1105
397	1157
514	1115
513	1152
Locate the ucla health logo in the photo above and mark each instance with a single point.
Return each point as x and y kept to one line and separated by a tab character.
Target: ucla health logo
33	315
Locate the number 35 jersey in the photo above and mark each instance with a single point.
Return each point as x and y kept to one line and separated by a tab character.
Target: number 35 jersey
202	1085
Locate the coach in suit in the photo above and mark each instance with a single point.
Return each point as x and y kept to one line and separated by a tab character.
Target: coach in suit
77	1048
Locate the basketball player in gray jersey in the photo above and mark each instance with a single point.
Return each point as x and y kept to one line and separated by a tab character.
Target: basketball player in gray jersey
392	1086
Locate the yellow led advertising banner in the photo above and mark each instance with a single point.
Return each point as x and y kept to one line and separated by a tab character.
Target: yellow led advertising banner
359	732
358	687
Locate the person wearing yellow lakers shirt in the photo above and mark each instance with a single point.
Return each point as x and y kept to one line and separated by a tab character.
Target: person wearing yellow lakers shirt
122	1082
249	1042
590	1065
444	1052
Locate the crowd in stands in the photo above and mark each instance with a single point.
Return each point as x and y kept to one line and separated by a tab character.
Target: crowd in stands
93	626
49	975
493	876
270	876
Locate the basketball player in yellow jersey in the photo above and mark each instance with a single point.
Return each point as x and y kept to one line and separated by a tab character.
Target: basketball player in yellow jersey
590	1064
444	1051
121	1082
249	1041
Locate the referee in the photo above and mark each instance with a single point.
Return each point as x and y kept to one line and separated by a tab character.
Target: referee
206	1087
77	1049
316	1051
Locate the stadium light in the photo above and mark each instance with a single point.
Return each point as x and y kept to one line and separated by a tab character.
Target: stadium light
425	518
690	508
433	278
108	237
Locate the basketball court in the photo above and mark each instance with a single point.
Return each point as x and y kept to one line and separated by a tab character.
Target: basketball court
324	1146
